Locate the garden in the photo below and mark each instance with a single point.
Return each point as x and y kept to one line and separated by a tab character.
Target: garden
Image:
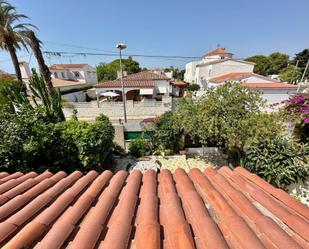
231	118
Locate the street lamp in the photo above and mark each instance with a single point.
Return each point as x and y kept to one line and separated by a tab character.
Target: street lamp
122	46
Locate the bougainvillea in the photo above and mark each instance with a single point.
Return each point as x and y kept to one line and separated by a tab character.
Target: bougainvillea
298	107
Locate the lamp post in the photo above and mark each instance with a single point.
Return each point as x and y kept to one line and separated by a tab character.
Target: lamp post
122	46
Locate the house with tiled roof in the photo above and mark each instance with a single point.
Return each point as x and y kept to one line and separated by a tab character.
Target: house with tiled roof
218	67
138	87
82	73
214	209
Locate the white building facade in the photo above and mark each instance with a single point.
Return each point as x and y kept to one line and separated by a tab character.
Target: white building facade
82	73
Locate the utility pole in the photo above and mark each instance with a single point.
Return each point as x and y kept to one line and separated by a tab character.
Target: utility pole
122	46
303	77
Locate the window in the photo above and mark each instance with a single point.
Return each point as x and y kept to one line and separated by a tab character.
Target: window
76	74
62	75
56	75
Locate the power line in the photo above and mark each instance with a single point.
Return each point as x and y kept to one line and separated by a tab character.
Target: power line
60	53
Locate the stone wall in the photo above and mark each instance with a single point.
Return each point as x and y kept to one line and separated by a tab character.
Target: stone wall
114	110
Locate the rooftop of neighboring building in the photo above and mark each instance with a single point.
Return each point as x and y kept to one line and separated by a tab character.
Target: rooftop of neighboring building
141	79
67	66
218	51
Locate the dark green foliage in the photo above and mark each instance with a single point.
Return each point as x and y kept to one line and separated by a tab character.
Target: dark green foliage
262	64
85	145
76	89
28	142
193	87
7	82
302	58
167	133
272	64
51	105
31	142
139	147
108	71
280	161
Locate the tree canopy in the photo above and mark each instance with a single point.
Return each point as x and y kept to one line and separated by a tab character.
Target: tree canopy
108	71
228	116
302	58
272	64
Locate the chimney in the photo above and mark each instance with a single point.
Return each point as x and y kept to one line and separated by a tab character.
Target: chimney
25	70
119	74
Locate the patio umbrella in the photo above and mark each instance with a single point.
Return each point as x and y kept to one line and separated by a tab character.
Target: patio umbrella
109	94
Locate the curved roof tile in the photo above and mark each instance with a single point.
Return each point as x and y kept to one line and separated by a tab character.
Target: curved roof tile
211	209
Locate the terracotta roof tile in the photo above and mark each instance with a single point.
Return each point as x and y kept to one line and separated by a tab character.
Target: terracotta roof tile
141	79
214	209
217	51
271	85
66	66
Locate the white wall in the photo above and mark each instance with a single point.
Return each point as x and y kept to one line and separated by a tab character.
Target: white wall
256	79
204	73
87	74
276	95
190	73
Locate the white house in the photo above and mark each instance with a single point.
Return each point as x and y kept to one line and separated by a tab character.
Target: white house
82	73
218	67
65	76
138	87
215	63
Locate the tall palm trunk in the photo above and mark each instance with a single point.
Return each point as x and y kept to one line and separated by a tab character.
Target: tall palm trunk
44	70
14	58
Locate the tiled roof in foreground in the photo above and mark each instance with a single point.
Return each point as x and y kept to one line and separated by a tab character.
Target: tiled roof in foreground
214	209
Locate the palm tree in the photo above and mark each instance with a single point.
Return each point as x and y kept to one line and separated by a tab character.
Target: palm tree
12	34
35	45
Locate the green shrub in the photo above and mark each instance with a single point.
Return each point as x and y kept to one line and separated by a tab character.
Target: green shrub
139	147
31	142
193	87
166	133
27	142
280	161
11	83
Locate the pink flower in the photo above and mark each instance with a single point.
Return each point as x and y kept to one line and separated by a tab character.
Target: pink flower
306	120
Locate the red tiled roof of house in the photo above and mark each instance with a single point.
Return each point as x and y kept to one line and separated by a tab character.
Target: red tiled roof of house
142	79
217	51
131	83
214	209
275	85
230	76
66	66
64	83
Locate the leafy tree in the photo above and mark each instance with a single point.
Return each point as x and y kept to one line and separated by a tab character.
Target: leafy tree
262	64
302	58
279	161
12	33
178	74
290	74
272	64
278	62
108	71
166	132
227	116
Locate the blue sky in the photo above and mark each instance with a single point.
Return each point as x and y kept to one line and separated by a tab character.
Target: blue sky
166	27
